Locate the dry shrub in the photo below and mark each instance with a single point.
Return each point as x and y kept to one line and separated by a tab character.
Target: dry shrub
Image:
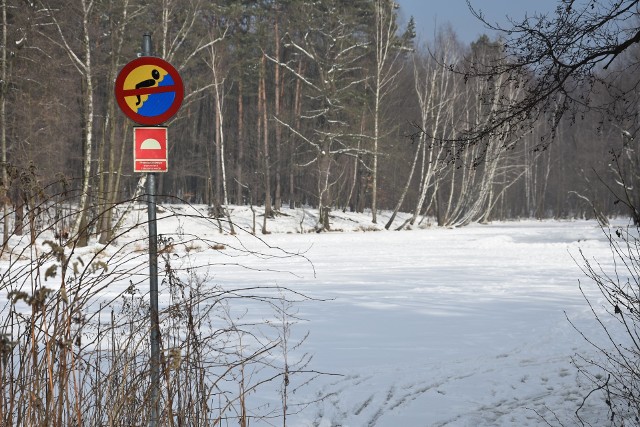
75	351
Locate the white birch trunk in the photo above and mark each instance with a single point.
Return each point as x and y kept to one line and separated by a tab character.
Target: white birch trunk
3	129
219	97
81	217
434	100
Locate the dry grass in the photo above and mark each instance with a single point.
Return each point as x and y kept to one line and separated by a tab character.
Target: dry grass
74	353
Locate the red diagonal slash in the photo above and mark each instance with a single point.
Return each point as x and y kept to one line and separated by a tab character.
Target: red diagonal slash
148	90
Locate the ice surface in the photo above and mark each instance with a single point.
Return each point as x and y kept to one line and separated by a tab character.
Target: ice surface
422	327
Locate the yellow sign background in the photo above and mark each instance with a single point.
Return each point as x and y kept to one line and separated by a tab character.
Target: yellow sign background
140	74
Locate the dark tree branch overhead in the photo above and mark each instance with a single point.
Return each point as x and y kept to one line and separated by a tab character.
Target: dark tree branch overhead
561	58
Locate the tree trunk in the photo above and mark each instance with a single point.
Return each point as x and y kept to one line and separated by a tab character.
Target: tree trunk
240	138
324	194
297	111
220	184
18	228
3	129
406	187
278	130
265	147
114	167
79	230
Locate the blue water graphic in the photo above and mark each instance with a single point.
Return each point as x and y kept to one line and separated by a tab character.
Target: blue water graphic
158	103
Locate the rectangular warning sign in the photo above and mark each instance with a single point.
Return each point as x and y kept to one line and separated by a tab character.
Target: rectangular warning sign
150	149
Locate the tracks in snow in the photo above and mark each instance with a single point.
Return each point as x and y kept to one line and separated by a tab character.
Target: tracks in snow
467	392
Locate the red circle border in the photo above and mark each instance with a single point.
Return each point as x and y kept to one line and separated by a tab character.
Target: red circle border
120	91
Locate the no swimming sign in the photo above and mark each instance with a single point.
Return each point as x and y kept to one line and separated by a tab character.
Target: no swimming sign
149	90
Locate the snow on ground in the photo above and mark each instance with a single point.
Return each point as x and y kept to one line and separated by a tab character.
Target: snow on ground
437	327
427	327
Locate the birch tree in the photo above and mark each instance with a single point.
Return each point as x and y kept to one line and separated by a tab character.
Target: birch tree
474	188
333	54
8	50
389	50
221	197
81	60
110	159
568	52
434	87
4	74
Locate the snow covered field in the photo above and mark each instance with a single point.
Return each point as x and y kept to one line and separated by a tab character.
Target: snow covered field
425	327
436	327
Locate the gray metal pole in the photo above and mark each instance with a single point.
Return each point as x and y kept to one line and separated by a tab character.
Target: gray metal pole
153	280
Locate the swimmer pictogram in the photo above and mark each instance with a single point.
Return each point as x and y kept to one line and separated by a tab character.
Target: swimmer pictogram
155	76
149	90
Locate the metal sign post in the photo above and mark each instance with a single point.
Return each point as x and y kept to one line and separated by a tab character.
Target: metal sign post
150	91
153	299
153	280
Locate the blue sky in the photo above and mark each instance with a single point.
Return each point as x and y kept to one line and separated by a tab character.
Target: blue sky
430	14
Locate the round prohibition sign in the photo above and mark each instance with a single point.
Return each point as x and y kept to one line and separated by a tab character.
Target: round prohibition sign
149	90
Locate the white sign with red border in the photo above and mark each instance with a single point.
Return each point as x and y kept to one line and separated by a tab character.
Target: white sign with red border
150	149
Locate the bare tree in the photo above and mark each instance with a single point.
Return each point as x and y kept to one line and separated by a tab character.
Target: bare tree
81	59
277	78
110	162
4	73
333	55
558	58
574	65
434	87
220	178
266	158
389	51
485	170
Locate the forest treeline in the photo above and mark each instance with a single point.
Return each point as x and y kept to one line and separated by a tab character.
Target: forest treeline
331	104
